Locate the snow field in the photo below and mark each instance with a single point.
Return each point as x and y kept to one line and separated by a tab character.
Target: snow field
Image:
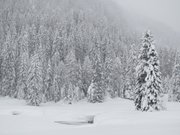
114	117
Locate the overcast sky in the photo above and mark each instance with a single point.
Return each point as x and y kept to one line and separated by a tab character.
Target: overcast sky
165	11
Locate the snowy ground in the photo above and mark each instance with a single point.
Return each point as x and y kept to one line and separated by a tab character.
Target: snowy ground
114	117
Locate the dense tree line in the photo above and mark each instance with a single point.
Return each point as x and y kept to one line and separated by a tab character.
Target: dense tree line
69	50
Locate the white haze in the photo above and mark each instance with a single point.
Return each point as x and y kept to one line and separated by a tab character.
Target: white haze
163	11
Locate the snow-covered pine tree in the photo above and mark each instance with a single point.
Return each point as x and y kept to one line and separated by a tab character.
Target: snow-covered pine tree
1	72
32	43
22	83
48	82
59	77
90	92
86	76
176	79
97	82
71	75
24	66
108	56
148	87
117	77
17	68
97	91
131	72
56	90
7	67
167	85
34	81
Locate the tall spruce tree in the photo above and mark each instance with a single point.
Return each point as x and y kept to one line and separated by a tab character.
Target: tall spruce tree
59	77
131	72
35	81
7	68
22	86
48	82
148	87
95	90
24	65
71	75
86	76
176	79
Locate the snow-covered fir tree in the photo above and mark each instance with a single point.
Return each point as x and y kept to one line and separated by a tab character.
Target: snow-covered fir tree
7	67
131	72
96	92
86	76
148	87
1	72
56	90
17	68
71	75
59	78
176	79
48	82
90	92
24	64
117	77
167	85
24	67
32	43
34	94
97	82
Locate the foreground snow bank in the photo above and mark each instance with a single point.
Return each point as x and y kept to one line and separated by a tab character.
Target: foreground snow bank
113	117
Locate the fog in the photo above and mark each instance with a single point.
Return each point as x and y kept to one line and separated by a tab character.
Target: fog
163	11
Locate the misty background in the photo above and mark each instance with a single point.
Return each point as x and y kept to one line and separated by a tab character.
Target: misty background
161	16
163	11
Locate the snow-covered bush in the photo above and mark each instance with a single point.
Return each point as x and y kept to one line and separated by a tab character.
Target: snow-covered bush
163	101
91	90
94	93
